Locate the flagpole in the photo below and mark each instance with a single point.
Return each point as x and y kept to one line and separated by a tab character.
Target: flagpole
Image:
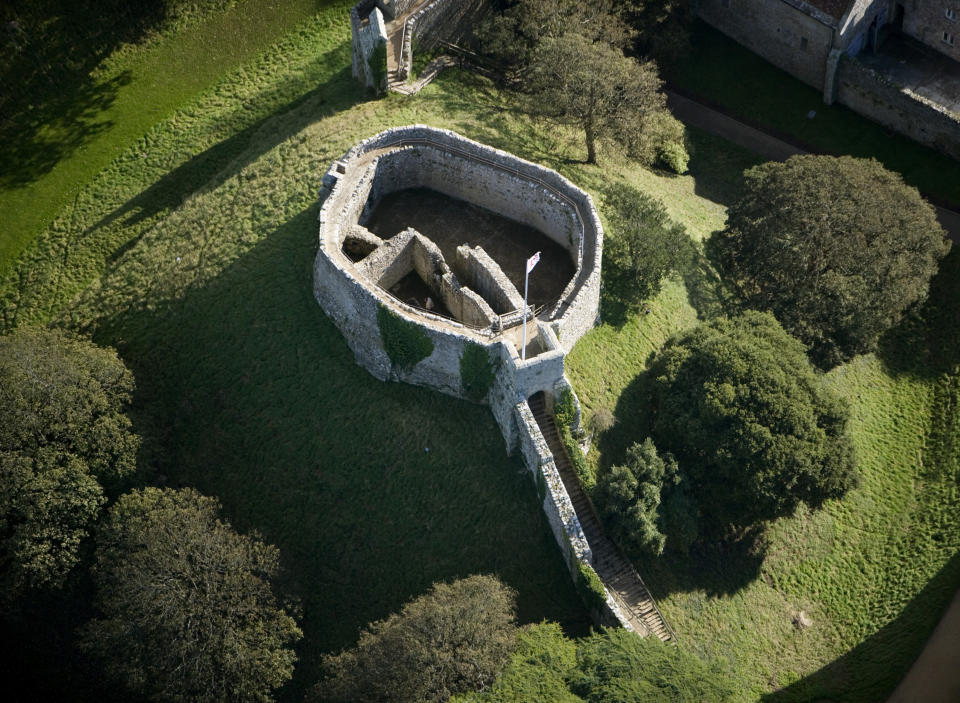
531	262
526	285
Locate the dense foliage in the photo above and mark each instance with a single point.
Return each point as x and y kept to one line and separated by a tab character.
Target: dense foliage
645	502
477	371
612	666
187	609
453	639
63	432
641	247
753	428
593	86
406	343
836	248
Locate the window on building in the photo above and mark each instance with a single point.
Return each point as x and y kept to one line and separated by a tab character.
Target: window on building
948	38
950	14
803	43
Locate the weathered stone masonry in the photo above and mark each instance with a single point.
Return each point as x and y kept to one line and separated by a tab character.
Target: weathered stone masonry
348	290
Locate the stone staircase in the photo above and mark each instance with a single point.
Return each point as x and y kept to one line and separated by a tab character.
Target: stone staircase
616	572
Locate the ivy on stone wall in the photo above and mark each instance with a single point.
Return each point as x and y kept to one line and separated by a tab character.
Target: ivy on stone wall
477	372
378	66
406	343
565	412
590	587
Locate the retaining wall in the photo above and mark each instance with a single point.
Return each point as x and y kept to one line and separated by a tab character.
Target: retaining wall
557	506
874	96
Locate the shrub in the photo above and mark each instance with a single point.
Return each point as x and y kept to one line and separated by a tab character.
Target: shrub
674	157
752	426
590	587
477	372
406	343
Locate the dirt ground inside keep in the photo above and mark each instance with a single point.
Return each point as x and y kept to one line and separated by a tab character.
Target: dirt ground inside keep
450	222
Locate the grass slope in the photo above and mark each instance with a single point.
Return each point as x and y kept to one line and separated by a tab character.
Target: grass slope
192	253
47	163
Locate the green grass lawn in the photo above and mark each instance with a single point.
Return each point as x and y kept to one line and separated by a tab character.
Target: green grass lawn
192	253
769	98
48	157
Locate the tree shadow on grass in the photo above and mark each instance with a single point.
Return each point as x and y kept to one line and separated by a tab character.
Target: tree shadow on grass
263	406
926	343
871	670
52	98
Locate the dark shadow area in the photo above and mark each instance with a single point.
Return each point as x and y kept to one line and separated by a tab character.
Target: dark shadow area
717	166
925	341
372	491
872	669
50	101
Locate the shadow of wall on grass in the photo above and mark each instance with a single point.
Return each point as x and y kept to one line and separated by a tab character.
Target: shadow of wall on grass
871	670
263	406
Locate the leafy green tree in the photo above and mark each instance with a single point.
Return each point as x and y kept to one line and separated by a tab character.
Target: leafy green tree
188	613
513	33
644	502
661	28
753	428
836	248
642	246
455	638
593	86
63	432
537	672
617	666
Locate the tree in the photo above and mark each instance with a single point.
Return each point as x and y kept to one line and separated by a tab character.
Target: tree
592	85
188	610
642	246
617	666
753	428
63	432
512	34
836	248
453	639
645	503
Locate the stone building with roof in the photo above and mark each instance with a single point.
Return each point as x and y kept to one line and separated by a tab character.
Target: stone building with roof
806	38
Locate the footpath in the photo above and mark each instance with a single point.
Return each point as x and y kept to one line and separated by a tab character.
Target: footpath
693	113
935	676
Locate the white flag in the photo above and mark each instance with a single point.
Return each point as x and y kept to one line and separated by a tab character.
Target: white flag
532	261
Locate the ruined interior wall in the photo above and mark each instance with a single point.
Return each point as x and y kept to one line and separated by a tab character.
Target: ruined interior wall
476	269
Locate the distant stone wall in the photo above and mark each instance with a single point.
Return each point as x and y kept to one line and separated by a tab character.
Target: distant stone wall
439	21
369	32
928	21
787	37
875	97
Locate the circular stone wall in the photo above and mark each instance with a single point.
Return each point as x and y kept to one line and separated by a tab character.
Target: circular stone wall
355	269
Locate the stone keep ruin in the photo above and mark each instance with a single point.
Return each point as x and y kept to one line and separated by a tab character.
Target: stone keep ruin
436	228
427	232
